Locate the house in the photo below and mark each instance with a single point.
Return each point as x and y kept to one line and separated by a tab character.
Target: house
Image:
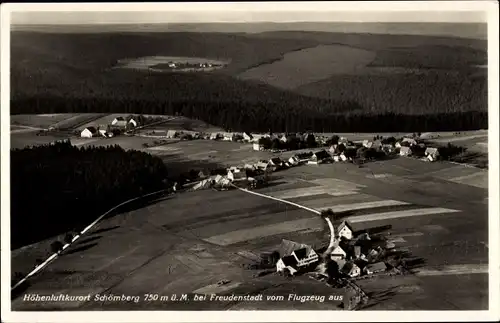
247	136
250	166
345	230
351	269
119	122
319	157
377	145
236	176
215	136
387	148
204	184
338	253
283	139
367	143
132	122
410	141
372	255
336	158
227	136
218	179
172	134
405	151
344	141
262	165
343	157
302	254
304	157
357	252
333	149
275	161
375	268
432	154
293	161
103	132
287	263
89	132
257	146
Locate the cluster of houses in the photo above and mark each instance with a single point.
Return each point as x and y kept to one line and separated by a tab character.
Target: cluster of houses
116	127
354	256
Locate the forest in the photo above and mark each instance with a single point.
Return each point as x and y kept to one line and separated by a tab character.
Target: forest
271	116
67	187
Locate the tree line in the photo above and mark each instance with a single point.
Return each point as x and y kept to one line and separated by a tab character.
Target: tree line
272	116
60	187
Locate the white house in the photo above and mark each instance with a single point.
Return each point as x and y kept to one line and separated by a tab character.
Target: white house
275	161
319	157
257	147
215	136
133	122
410	141
293	160
89	132
287	262
405	151
295	255
343	157
236	176
172	133
338	253
375	268
367	143
247	136
336	158
432	154
119	122
351	269
103	132
227	136
332	149
377	145
345	230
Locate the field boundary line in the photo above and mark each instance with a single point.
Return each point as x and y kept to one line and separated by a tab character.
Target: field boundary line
278	199
76	237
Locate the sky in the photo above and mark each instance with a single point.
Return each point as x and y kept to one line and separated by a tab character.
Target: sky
244	12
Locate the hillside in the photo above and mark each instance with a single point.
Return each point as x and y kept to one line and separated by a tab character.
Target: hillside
434	79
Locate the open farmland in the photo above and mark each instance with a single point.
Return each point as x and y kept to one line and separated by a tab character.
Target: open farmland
190	241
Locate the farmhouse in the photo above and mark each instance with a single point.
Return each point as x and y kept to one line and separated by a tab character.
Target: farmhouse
375	268
351	269
405	151
132	122
293	161
410	141
275	161
172	134
119	122
304	157
319	157
302	254
338	253
215	136
345	230
257	146
247	136
235	176
89	132
432	154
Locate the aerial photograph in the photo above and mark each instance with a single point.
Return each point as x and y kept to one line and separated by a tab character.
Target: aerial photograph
163	163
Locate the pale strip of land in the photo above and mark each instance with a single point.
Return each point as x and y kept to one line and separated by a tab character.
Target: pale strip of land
454	270
362	206
310	191
400	214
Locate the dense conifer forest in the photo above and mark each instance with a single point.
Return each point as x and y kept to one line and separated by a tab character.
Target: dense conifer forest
274	116
61	187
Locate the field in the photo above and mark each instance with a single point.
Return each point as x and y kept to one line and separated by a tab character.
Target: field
184	244
297	69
